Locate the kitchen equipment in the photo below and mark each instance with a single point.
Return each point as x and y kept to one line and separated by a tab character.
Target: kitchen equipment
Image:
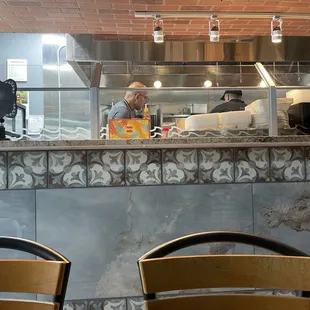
299	116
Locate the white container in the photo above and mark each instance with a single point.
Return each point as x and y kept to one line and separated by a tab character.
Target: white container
260	112
261	106
203	122
238	120
299	95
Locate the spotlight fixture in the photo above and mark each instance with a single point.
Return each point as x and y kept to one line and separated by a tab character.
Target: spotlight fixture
157	84
158	32
214	29
276	29
207	83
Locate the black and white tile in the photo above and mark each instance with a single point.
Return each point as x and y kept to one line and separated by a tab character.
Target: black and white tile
287	164
67	169
27	170
252	165
107	304
308	163
106	168
76	305
143	167
135	303
180	166
216	166
3	170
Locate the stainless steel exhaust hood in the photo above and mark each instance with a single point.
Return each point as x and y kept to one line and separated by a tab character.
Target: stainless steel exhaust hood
175	60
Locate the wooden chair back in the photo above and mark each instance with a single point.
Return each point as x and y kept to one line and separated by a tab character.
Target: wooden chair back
48	276
288	271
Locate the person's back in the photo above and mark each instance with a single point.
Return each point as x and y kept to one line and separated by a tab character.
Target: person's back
232	105
121	110
233	102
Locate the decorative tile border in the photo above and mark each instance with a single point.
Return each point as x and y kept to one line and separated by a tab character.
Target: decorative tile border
99	168
136	303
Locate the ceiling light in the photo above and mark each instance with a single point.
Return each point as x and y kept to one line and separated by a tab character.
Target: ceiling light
262	84
157	84
207	83
53	39
158	32
276	29
214	29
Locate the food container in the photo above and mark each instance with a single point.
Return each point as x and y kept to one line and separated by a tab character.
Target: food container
238	120
260	112
299	95
203	122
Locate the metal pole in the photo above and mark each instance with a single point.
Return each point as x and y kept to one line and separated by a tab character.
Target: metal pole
272	99
273	112
59	85
94	113
221	14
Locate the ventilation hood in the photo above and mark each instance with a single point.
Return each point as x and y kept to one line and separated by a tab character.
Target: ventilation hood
180	64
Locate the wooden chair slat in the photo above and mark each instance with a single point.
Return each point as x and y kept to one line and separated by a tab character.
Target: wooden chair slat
31	276
216	271
229	302
9	304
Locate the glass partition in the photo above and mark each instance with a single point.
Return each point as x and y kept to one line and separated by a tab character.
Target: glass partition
54	115
293	94
58	95
173	107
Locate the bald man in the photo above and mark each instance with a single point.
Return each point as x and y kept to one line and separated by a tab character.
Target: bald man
133	100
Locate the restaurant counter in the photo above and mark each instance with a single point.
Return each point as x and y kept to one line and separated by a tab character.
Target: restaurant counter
103	203
202	142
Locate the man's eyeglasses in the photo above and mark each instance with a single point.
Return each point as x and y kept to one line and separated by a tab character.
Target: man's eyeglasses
146	98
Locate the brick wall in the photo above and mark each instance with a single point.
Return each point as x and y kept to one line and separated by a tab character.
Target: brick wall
115	19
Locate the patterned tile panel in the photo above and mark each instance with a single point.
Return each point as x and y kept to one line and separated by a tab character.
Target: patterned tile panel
252	165
107	304
216	166
106	168
143	167
287	164
180	166
67	169
27	170
3	170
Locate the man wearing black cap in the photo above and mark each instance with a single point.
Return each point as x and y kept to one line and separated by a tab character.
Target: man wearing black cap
233	102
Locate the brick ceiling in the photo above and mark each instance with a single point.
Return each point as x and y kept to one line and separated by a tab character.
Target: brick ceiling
114	19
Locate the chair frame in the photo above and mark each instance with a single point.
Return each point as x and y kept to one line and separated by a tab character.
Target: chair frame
219	236
43	252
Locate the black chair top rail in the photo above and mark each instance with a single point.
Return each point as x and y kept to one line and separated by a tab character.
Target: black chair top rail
31	247
222	236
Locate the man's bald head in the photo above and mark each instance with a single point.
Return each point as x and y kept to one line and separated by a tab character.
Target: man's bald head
136	98
136	85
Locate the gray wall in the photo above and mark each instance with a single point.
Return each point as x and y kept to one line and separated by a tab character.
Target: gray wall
103	231
25	46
